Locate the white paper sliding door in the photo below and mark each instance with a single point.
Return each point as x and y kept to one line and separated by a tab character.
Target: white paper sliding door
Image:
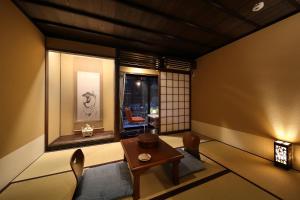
174	102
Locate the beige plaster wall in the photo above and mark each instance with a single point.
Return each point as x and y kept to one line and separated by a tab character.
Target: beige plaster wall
22	80
54	96
108	93
252	85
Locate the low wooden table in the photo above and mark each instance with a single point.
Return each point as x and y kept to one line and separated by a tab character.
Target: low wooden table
164	153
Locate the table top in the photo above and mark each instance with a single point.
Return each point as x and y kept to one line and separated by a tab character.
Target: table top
163	153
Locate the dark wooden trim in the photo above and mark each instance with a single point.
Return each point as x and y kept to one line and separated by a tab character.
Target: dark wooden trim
113	21
117	96
190	99
176	19
191	185
46	126
159	99
265	190
220	6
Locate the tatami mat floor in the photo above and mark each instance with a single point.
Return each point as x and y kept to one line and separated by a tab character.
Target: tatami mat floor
59	161
226	187
238	175
284	184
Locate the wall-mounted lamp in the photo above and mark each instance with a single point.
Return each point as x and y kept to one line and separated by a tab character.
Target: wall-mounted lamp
283	154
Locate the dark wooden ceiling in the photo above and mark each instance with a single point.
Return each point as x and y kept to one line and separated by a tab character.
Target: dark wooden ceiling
180	28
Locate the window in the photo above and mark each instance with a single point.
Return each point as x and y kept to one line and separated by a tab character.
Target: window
175	101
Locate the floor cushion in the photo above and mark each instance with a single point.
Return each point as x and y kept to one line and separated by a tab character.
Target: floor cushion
111	181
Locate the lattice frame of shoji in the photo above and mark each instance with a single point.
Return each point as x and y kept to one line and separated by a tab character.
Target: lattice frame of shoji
174	102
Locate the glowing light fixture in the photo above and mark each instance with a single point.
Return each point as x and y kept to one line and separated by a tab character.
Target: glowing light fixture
283	154
258	6
138	83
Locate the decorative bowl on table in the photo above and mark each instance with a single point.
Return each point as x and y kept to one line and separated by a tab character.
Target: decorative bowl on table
148	140
144	157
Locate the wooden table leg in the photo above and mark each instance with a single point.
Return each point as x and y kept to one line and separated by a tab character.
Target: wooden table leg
136	185
175	172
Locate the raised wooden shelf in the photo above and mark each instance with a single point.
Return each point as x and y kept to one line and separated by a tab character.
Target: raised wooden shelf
76	140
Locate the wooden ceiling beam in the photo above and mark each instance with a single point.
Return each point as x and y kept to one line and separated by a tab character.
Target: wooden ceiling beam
172	18
114	21
75	28
228	11
57	24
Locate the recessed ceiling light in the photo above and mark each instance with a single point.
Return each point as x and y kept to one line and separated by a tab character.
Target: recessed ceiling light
258	6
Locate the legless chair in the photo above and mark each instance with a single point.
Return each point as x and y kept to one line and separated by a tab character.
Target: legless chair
132	119
191	161
111	181
191	144
77	164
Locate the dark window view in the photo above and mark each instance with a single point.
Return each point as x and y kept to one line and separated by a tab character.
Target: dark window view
140	99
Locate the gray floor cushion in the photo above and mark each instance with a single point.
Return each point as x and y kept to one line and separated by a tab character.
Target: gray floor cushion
111	181
188	165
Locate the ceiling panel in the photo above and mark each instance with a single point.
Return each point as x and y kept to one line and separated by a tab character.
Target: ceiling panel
180	28
273	9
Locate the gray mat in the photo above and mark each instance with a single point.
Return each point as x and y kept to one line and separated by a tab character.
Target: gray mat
111	181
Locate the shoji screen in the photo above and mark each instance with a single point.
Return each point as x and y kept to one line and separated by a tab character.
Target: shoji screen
174	102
